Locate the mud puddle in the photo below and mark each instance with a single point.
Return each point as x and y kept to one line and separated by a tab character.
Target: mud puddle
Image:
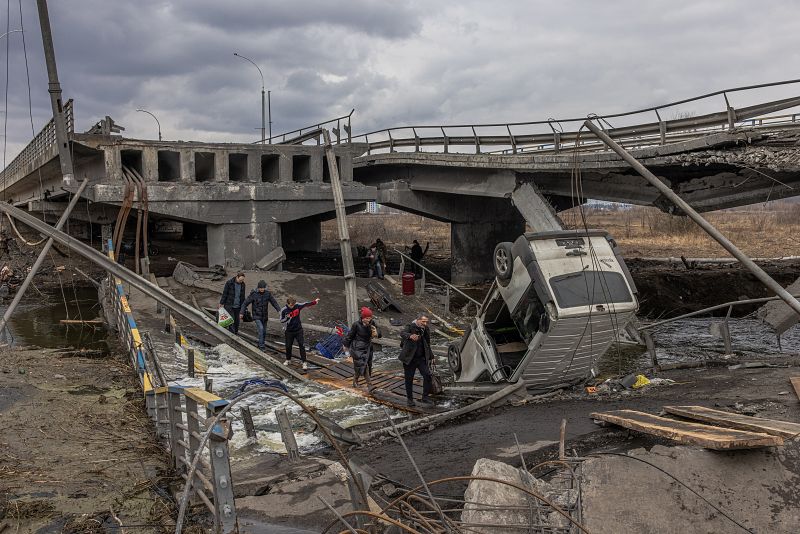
36	321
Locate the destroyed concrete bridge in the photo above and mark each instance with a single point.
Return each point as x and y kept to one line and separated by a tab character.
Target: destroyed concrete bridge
251	198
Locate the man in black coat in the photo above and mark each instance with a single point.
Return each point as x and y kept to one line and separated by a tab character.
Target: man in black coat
260	299
415	353
232	299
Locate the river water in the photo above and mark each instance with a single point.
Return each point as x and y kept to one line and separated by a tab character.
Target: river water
36	322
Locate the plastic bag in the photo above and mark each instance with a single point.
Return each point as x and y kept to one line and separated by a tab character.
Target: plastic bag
224	318
641	381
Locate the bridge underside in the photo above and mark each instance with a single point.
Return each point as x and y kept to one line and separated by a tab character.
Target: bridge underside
717	171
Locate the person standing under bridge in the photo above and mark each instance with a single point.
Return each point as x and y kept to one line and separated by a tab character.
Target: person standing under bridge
232	299
417	254
260	299
290	317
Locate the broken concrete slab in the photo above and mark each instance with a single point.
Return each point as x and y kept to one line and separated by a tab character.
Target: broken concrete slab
273	259
492	504
777	314
757	489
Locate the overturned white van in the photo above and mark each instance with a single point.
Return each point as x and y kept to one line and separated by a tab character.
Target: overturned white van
560	299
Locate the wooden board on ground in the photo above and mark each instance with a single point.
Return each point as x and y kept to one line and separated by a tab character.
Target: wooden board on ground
710	437
795	380
783	429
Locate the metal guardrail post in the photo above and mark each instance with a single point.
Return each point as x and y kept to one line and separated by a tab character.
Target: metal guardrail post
189	362
447	301
225	516
287	436
176	434
247	420
651	348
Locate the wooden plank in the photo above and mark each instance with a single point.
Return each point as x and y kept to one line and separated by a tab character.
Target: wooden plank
783	429
795	380
710	437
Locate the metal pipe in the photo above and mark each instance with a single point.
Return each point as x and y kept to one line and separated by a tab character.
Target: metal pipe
42	255
153	291
54	88
749	264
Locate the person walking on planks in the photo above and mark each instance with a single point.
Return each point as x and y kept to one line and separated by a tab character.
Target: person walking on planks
260	299
358	343
232	299
290	317
415	353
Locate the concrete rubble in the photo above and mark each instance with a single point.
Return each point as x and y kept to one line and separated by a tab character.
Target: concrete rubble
491	504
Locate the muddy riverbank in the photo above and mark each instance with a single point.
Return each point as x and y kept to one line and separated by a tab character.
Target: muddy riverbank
78	448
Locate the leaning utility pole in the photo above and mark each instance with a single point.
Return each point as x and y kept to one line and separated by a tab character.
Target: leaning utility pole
54	88
707	227
344	234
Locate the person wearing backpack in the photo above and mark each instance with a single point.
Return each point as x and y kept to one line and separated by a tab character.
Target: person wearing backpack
293	328
259	299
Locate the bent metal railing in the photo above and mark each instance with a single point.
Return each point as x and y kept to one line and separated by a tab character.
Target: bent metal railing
300	135
44	144
179	414
521	137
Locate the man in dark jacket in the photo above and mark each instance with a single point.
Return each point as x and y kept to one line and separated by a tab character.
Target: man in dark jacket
417	254
260	299
358	343
290	317
232	299
415	353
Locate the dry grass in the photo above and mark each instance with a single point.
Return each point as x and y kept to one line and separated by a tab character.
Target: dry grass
396	229
760	231
771	230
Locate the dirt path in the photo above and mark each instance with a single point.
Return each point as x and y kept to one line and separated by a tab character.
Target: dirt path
76	445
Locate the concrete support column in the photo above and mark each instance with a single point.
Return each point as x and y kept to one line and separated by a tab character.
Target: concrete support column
221	167
285	166
253	166
316	166
187	165
150	164
113	164
472	247
241	245
345	166
302	235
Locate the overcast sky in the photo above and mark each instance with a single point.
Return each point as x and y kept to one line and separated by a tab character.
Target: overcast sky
396	63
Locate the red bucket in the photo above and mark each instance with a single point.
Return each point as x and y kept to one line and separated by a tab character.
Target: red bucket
408	283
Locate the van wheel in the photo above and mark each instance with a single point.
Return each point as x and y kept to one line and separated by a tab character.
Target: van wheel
454	359
503	261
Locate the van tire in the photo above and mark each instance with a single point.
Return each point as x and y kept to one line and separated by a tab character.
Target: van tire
454	359
503	261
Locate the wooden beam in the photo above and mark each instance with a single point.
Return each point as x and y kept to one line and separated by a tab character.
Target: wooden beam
710	437
795	380
772	427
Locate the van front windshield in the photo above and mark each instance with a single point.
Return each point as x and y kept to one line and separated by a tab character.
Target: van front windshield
587	288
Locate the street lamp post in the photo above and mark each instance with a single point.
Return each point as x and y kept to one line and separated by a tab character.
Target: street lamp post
263	103
156	118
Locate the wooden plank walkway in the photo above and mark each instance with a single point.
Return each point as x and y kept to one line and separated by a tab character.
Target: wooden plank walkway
710	437
783	429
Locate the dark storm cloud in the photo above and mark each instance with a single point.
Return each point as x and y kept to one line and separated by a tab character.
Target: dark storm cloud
396	63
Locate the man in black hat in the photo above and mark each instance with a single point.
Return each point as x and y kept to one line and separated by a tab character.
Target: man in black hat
260	299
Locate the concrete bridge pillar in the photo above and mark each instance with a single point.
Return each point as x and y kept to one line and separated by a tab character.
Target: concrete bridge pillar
241	245
221	167
472	246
